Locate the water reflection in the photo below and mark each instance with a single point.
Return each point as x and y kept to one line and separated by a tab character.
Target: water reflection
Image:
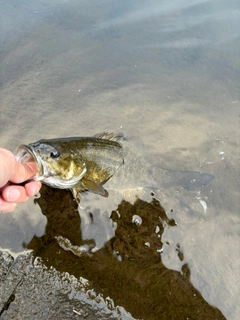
128	268
165	71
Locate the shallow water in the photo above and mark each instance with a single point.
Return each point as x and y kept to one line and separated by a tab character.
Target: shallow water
167	72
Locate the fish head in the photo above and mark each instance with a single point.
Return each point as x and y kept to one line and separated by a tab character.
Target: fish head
56	167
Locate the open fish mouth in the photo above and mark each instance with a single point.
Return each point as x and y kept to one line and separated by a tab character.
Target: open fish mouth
27	154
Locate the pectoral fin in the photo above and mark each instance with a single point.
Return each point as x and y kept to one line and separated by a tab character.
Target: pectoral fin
87	185
94	187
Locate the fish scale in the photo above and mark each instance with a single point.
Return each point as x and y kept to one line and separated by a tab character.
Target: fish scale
87	163
76	163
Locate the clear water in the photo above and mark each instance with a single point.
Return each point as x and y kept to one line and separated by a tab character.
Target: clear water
165	71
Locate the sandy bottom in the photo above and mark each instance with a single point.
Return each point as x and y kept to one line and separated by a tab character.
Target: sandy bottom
74	69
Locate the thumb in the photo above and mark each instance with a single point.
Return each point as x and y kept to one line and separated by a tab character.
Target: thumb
23	172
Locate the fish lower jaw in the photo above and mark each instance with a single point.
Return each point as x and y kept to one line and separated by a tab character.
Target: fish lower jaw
57	183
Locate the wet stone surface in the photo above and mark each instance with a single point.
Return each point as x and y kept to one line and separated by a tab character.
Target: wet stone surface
32	291
127	269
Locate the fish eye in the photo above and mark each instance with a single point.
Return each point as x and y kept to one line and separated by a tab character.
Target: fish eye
54	154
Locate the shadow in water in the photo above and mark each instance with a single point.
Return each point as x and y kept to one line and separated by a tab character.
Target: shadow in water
128	268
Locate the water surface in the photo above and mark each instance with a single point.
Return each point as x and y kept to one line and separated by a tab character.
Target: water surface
167	72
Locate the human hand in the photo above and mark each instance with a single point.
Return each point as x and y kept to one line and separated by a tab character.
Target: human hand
12	172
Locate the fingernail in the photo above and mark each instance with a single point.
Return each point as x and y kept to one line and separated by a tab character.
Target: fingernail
12	194
37	188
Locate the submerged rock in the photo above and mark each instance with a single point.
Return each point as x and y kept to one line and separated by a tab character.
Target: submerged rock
124	272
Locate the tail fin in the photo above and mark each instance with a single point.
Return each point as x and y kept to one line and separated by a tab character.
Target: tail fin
191	180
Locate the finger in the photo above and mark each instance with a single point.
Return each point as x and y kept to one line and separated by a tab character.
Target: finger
6	206
14	194
7	165
32	188
23	172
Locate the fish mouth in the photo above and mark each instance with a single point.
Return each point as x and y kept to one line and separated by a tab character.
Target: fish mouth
27	154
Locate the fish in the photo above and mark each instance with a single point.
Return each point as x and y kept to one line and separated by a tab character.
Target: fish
76	163
87	163
139	178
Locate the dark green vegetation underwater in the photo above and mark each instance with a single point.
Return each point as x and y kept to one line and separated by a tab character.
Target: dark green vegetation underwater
140	282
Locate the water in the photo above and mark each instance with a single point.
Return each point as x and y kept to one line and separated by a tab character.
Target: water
167	72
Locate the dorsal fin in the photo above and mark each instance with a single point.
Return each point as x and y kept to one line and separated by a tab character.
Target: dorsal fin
109	136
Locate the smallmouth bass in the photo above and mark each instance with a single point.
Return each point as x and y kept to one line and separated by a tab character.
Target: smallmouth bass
75	163
87	163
